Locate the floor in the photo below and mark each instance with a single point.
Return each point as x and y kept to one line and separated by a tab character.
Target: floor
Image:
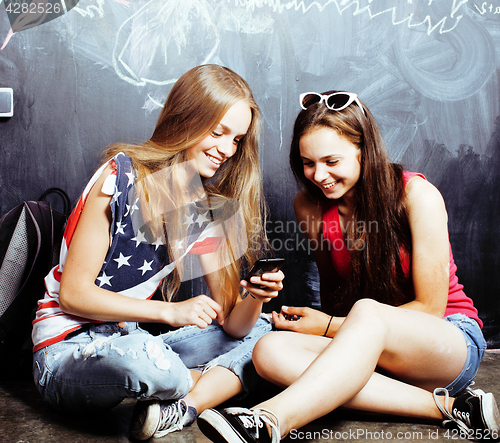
25	419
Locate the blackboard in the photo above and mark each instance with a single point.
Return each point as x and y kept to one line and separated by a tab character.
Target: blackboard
428	70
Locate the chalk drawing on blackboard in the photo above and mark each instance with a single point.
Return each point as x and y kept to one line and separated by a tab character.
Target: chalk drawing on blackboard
161	31
151	40
165	31
453	68
414	13
97	8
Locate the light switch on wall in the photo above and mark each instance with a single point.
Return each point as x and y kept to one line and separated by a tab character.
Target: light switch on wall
6	102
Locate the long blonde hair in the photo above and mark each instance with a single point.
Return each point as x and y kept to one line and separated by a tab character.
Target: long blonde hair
194	107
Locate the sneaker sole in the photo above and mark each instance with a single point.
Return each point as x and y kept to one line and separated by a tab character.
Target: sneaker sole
492	419
216	428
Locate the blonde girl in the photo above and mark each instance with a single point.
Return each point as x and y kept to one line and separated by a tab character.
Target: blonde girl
193	191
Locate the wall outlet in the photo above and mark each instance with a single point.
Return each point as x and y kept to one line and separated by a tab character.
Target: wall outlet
6	102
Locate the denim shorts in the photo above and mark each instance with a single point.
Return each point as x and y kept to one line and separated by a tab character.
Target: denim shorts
476	346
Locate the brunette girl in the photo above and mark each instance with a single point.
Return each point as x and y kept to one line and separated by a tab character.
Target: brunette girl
192	191
396	333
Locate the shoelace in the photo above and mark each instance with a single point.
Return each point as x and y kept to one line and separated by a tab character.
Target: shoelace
463	426
258	418
171	418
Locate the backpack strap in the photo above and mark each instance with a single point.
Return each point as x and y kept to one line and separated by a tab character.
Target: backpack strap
62	194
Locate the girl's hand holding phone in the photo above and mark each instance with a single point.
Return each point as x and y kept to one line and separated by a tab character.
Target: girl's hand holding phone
264	280
264	287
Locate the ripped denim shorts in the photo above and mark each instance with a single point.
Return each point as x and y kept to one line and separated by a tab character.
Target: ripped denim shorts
476	346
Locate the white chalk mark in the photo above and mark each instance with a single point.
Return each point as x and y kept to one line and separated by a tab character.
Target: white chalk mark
344	5
92	10
156	102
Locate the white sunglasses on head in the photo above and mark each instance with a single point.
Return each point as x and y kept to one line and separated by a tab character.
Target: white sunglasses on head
336	101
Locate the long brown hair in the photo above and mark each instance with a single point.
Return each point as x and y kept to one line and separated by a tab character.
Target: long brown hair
194	107
376	268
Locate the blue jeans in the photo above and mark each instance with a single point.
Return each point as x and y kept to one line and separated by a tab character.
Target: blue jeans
102	364
476	346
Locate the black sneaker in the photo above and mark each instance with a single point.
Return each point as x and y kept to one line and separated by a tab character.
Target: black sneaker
473	412
239	425
158	418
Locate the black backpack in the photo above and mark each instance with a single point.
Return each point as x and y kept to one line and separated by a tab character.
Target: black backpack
30	240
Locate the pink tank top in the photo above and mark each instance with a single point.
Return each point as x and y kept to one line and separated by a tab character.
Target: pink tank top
458	302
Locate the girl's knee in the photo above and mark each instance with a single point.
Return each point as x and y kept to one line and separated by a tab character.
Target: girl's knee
148	368
264	352
369	313
366	307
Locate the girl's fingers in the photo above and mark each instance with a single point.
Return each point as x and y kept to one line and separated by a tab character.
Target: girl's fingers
273	276
216	311
275	285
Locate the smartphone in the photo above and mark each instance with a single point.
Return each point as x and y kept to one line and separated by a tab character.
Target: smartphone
265	265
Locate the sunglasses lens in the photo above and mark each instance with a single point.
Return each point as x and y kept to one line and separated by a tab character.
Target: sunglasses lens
338	101
310	99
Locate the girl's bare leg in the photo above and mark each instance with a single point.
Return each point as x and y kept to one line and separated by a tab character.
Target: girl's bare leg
212	388
423	351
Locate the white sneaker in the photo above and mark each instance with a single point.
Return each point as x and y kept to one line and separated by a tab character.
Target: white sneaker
158	418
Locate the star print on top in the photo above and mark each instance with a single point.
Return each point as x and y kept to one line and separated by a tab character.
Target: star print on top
135	263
